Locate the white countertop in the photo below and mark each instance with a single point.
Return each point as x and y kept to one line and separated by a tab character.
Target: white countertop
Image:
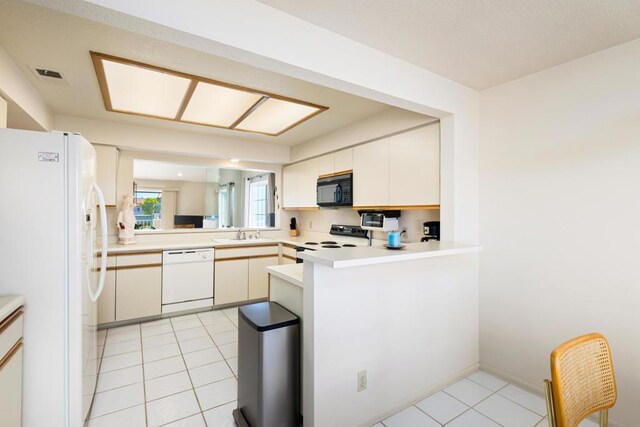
8	305
354	257
209	242
289	272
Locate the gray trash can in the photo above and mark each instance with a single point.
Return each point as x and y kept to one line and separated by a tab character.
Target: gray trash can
268	366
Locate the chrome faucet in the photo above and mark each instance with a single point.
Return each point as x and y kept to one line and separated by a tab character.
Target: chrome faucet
241	235
257	236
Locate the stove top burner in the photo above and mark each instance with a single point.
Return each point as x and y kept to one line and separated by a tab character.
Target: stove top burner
311	243
331	246
328	242
348	245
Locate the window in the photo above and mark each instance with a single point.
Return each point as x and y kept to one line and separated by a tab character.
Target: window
258	204
147	208
226	202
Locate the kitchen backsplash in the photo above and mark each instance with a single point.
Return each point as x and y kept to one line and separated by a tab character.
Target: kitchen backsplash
321	220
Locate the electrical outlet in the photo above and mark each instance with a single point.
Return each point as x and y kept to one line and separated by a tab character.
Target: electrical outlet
362	381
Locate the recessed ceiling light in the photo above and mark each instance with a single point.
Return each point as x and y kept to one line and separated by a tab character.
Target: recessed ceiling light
141	89
179	173
234	160
275	116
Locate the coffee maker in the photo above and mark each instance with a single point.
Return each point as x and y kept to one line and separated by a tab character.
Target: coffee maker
431	230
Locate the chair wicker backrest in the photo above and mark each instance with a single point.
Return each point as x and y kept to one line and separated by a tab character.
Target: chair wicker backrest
582	379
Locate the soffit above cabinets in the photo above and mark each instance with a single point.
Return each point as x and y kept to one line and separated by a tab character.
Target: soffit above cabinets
136	88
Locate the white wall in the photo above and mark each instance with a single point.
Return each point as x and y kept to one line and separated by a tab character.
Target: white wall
560	211
24	101
374	127
140	138
413	326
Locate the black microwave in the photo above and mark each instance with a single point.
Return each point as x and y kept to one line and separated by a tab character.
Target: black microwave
335	190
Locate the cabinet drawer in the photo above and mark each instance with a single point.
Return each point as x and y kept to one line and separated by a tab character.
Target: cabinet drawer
142	258
245	251
10	332
11	389
288	252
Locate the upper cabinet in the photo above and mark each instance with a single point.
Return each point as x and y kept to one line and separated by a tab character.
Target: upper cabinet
340	161
371	174
414	167
401	172
107	159
299	184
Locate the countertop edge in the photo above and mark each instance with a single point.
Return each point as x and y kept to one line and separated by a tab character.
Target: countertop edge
284	276
408	256
9	304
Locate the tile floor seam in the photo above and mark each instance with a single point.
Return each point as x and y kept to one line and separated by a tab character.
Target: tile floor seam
474	381
415	406
522	406
193	388
471	409
144	384
183	418
218	348
113	412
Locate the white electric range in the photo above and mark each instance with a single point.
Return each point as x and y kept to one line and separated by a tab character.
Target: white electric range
346	236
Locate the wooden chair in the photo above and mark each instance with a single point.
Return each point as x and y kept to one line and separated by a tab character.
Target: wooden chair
582	381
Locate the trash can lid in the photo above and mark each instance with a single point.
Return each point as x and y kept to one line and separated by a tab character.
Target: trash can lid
265	316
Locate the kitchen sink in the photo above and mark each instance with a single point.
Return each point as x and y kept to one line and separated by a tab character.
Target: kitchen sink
243	241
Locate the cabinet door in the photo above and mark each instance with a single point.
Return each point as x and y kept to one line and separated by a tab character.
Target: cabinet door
107	300
138	292
11	390
231	282
107	169
258	277
326	164
290	186
343	160
307	183
414	174
371	174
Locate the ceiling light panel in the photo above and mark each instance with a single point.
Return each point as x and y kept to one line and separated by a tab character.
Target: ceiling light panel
134	89
275	116
217	105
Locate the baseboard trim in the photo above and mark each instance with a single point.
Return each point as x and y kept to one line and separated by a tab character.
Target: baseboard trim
424	393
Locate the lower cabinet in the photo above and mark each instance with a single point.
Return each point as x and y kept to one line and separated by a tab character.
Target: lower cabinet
258	277
107	300
231	283
138	292
11	369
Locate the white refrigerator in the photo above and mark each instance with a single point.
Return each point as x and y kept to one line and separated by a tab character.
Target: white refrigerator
49	207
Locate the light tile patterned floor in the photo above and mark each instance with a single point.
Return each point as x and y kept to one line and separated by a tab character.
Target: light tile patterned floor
171	372
480	400
183	372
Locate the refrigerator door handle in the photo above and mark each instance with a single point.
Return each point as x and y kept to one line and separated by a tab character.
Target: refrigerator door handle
105	237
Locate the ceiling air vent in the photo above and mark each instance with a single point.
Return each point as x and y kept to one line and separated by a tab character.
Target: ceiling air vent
47	75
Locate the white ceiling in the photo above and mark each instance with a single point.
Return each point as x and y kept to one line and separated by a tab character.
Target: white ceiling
41	37
479	43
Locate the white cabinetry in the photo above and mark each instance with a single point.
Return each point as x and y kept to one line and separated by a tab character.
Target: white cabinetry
402	171
258	276
414	174
240	272
299	184
107	170
11	370
231	282
107	300
371	174
340	161
138	285
343	160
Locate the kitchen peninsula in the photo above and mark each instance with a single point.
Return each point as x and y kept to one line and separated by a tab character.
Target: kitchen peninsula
405	320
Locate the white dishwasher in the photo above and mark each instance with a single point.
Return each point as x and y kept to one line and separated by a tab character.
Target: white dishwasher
187	279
